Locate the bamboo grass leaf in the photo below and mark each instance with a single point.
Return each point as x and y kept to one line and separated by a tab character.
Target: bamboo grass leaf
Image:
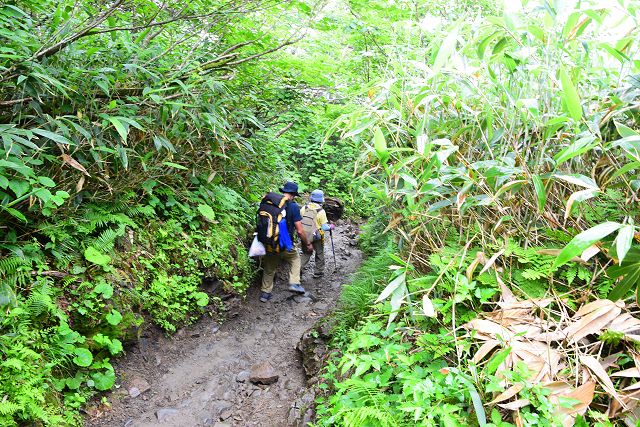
391	287
446	49
380	145
582	241
541	192
123	130
579	196
53	136
570	95
624	241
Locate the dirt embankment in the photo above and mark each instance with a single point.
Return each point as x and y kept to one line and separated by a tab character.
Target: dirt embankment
211	374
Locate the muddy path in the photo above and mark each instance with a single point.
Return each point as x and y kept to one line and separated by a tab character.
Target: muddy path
199	376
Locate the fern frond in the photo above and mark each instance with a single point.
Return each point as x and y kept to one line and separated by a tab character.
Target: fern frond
15	271
105	241
9	408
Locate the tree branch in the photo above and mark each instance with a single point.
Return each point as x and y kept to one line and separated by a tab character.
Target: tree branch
15	101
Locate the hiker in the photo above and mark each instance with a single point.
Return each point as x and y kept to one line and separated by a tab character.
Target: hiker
289	253
315	223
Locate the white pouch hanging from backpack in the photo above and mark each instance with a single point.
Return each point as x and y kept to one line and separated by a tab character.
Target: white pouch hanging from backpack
257	249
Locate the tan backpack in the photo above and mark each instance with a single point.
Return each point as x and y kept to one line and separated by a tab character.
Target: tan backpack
309	223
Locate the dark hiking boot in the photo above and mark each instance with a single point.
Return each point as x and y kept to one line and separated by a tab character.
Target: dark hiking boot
265	296
296	288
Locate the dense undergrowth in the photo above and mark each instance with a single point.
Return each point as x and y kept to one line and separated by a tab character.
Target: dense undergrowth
496	153
137	137
503	149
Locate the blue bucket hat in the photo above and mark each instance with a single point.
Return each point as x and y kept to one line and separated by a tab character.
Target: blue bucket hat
290	187
317	196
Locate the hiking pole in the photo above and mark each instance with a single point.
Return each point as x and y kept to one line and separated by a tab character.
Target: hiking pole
333	249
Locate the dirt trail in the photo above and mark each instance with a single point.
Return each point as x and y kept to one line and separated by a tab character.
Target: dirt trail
198	377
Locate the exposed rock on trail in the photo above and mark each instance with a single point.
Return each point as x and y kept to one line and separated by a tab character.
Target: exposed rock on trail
245	372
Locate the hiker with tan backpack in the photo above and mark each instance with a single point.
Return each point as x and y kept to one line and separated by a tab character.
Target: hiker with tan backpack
314	224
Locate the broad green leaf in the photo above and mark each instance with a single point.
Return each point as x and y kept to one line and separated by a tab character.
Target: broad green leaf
582	241
572	20
75	382
397	297
625	169
500	46
96	257
625	131
446	49
380	145
83	357
120	127
630	274
46	181
52	136
570	96
577	179
620	56
15	213
631	145
115	346
105	289
478	407
18	167
508	186
624	241
579	196
4	182
124	158
482	46
392	286
19	187
175	165
541	192
114	317
202	299
131	122
7	296
497	359
207	212
104	380
577	148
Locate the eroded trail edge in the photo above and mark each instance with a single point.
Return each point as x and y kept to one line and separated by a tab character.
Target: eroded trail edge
199	377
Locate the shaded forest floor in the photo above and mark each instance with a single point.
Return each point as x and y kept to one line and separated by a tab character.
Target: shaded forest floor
200	376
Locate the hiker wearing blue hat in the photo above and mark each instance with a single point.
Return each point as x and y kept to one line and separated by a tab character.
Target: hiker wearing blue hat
285	251
315	223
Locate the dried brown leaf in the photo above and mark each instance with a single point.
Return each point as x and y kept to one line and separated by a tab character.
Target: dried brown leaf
80	184
601	375
516	404
491	261
485	349
592	323
628	373
584	394
625	323
507	295
593	306
489	328
508	393
74	163
480	259
589	253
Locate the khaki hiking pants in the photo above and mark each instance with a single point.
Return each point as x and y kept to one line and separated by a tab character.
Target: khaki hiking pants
270	263
318	249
